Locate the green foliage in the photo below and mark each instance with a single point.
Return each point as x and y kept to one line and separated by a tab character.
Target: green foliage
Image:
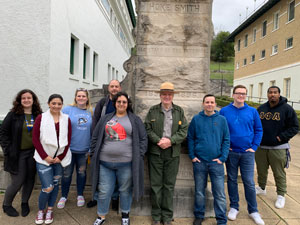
228	66
226	76
220	49
225	100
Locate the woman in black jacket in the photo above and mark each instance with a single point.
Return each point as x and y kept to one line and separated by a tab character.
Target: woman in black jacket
16	142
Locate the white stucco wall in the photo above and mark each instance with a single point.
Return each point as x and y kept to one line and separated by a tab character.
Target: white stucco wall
278	74
25	47
35	47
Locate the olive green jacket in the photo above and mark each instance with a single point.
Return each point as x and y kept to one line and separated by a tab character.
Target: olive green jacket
154	123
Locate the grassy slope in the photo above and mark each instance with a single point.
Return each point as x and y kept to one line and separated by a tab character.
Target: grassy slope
227	66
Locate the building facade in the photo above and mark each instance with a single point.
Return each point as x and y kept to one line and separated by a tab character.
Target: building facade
267	51
59	45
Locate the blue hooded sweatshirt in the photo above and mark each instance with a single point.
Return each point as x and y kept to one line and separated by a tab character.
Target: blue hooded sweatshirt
208	137
244	126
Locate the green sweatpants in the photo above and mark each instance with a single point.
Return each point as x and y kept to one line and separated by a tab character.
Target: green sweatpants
276	158
163	170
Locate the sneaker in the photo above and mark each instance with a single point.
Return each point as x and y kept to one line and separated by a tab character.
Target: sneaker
257	219
232	214
125	221
260	191
99	221
10	211
61	203
154	222
39	219
49	217
80	201
197	221
280	202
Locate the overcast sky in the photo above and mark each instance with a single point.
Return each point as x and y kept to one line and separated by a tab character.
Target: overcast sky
226	13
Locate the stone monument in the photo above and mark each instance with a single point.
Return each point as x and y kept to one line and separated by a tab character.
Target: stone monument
172	44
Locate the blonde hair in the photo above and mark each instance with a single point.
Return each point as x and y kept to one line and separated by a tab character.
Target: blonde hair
88	103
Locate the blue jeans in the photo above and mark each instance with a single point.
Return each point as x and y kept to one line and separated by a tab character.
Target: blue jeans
109	173
246	163
216	174
80	160
49	177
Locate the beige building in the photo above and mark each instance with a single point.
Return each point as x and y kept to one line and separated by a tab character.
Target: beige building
267	51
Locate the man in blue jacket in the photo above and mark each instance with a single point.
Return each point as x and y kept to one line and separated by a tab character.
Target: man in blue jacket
208	143
245	136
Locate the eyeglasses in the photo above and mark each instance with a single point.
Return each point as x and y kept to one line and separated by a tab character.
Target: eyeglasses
242	94
81	89
123	102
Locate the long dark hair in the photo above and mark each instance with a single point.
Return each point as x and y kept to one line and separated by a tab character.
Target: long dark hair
18	108
129	102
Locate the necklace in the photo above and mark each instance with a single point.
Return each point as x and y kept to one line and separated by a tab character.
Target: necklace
29	125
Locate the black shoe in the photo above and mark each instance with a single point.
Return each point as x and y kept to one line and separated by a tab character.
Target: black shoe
115	204
10	211
197	221
25	209
91	204
125	219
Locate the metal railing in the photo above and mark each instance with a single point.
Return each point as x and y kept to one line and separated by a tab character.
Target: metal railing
262	100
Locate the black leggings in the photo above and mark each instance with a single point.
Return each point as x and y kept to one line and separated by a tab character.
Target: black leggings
25	178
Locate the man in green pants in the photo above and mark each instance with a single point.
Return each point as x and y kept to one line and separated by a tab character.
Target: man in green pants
166	128
280	124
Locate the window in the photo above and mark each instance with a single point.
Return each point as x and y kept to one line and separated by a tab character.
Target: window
260	90
74	47
264	29
287	87
263	54
276	21
106	5
72	55
237	65
253	58
272	83
239	45
291	14
246	41
250	92
86	60
95	67
109	72
254	35
289	43
117	75
245	62
113	73
274	49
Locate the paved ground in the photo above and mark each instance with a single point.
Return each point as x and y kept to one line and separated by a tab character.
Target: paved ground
72	215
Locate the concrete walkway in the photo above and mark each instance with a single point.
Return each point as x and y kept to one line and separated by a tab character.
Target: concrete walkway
72	215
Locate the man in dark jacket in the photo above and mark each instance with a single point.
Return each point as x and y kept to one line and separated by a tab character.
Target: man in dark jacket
280	124
103	107
166	128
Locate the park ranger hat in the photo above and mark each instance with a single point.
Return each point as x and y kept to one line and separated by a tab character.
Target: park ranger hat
167	86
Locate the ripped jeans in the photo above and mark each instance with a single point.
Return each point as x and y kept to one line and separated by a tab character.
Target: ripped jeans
79	160
49	177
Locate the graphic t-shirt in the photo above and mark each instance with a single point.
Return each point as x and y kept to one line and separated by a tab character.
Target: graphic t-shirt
81	120
117	146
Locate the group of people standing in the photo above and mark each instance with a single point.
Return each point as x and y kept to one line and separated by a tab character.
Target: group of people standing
54	142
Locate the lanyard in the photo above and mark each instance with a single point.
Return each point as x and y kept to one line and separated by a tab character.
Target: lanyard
29	125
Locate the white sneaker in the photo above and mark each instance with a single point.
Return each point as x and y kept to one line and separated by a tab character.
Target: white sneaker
61	203
260	191
80	201
280	202
232	214
257	219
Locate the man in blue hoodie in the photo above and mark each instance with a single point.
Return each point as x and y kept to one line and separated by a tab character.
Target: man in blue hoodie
208	143
245	136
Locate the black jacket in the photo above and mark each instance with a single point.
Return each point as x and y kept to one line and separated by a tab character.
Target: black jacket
100	110
10	140
280	121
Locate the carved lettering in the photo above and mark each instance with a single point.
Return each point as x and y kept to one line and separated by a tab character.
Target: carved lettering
186	7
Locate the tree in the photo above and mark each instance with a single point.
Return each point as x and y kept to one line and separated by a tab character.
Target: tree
221	50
